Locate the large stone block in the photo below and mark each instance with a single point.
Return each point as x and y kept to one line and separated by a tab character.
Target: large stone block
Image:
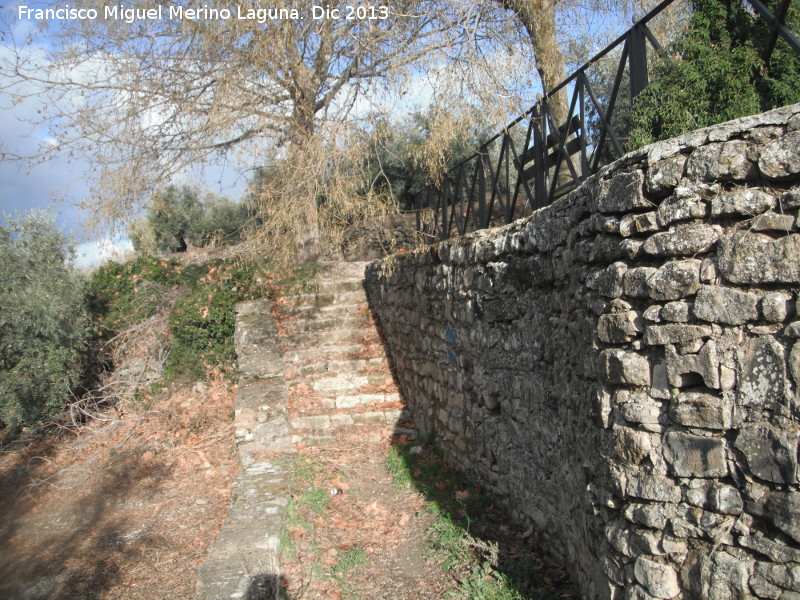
774	307
683	205
720	576
683	240
654	515
695	456
697	409
762	373
742	201
609	281
783	509
653	487
619	327
638	223
636	412
674	280
660	579
631	445
753	258
677	311
623	193
769	452
705	364
665	174
780	159
722	161
718	304
794	364
770	580
625	367
725	499
635	282
675	333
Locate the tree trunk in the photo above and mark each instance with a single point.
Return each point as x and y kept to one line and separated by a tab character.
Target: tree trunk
308	238
539	19
307	232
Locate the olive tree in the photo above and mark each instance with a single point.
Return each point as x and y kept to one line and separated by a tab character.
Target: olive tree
44	329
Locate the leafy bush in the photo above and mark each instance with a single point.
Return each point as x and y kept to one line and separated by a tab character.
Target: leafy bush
119	295
169	217
178	216
716	73
201	322
44	328
221	221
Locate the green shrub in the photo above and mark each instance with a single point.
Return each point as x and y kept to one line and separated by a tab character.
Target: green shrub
202	324
44	328
221	221
716	73
202	321
178	216
119	295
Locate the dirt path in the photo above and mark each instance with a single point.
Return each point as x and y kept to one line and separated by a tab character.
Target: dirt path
130	506
125	509
374	514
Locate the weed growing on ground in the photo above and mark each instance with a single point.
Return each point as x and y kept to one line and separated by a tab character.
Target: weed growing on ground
465	538
398	469
202	299
307	502
351	560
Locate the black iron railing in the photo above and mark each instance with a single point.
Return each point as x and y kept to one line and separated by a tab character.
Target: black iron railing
534	160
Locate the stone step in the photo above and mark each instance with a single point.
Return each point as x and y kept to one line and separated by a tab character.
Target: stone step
330	310
347	382
353	400
341	285
324	299
326	337
332	437
293	371
300	355
326	422
321	323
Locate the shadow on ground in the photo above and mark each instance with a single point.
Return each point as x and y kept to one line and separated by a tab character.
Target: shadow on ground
63	532
474	537
491	556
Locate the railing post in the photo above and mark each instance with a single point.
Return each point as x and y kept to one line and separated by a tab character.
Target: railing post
483	221
637	59
538	144
445	232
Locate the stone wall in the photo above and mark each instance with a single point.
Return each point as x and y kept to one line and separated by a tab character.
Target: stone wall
623	366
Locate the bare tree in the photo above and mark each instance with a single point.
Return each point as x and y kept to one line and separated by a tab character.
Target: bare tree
538	17
146	96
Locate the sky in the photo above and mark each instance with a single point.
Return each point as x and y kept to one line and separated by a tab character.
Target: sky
61	183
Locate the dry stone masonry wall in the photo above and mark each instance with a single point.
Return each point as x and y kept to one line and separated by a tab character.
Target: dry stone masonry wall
623	366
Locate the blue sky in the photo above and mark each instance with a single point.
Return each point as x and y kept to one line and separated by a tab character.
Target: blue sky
61	183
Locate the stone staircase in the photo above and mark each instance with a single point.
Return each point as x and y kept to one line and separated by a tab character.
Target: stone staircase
314	374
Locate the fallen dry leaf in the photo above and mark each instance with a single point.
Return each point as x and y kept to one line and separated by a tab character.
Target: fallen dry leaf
338	483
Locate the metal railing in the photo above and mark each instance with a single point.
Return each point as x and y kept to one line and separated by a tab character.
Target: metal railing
534	160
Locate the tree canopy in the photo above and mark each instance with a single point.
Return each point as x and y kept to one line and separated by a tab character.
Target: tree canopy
716	72
44	329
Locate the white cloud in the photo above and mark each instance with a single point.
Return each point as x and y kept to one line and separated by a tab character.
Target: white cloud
93	254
